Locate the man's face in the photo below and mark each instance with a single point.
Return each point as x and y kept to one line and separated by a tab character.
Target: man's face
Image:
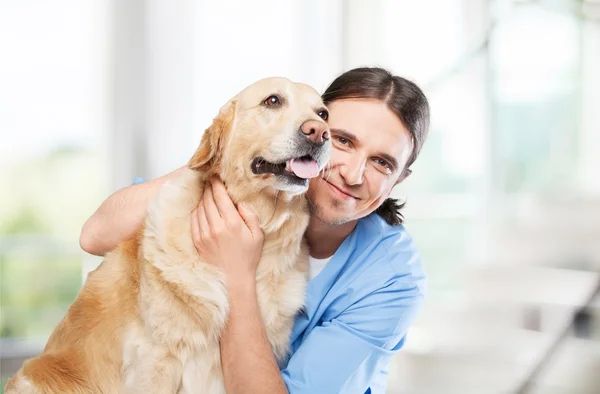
370	149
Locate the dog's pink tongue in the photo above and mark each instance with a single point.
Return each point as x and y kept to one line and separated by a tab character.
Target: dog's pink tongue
304	168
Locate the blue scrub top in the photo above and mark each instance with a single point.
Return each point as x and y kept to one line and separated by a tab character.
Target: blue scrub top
358	310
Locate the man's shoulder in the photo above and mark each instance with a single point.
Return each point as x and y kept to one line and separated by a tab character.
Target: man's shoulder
393	248
391	239
377	225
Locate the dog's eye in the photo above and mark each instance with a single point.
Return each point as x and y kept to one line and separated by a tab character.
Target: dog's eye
272	101
323	114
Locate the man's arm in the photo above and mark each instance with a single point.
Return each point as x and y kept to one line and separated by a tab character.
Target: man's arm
339	356
249	365
231	238
119	216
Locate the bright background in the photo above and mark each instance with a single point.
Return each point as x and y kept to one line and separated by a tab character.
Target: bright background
504	202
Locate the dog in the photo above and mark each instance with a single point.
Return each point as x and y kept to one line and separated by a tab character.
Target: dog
149	318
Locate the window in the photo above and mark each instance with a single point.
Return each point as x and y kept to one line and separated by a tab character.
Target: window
54	113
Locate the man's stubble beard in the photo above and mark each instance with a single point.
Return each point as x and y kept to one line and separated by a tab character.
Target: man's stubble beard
317	211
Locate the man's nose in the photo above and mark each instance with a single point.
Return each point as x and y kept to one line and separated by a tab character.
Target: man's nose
317	132
353	172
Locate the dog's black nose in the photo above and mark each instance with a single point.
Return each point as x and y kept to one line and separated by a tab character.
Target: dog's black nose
317	132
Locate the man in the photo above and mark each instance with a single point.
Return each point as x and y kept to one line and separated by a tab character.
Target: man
366	278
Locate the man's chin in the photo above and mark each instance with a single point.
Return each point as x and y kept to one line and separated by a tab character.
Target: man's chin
324	215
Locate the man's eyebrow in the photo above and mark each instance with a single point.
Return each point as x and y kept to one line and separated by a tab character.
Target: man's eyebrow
351	137
346	134
390	159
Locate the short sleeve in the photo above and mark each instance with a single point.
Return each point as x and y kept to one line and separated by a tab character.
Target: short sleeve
345	354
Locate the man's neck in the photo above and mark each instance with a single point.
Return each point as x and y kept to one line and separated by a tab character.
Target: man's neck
324	239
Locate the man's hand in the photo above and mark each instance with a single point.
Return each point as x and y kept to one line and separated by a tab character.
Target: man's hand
227	237
232	239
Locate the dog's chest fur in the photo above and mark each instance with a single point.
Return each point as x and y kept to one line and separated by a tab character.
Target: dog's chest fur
183	301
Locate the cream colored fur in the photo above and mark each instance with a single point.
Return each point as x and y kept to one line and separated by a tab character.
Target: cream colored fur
148	320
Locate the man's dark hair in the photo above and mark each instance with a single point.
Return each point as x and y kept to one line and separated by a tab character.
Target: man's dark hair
402	97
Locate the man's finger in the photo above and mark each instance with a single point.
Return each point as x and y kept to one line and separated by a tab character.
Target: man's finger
223	201
211	210
195	229
202	221
252	220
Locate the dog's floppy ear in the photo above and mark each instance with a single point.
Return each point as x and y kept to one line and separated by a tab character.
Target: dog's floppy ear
207	158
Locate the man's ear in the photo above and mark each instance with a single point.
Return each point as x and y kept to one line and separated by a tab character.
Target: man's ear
207	158
403	176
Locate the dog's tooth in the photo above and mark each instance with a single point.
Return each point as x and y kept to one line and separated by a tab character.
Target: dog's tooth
288	166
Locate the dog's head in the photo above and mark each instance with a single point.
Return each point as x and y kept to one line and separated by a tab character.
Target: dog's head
273	133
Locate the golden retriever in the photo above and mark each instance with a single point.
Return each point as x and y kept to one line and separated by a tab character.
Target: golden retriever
149	318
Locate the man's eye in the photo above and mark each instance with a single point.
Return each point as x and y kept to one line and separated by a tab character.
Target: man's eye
342	140
382	163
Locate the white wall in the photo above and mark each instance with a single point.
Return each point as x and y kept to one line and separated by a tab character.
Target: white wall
202	53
